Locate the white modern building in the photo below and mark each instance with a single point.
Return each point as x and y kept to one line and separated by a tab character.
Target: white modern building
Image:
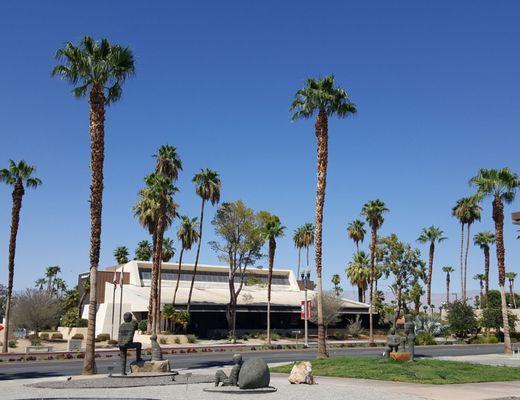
209	299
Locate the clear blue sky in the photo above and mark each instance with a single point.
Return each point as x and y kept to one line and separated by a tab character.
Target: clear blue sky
436	85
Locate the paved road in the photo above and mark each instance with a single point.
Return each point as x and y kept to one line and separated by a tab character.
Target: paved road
41	369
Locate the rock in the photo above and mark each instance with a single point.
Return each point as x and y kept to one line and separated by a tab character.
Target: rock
149	366
302	373
401	356
254	374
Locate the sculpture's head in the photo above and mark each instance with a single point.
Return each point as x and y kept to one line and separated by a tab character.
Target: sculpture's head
237	359
127	317
392	331
153	338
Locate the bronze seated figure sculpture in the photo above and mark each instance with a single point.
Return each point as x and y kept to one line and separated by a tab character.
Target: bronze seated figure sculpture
126	341
232	379
409	330
393	341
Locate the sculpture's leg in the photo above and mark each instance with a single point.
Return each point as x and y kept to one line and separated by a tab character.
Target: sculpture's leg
388	349
122	356
411	348
220	376
138	349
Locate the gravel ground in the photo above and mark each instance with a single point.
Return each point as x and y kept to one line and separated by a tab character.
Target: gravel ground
331	390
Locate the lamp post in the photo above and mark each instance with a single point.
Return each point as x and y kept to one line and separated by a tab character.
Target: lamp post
306	275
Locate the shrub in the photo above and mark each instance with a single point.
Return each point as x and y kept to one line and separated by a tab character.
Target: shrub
492	318
44	336
142	325
163	340
461	318
57	336
487	339
275	337
430	324
177	340
103	337
82	323
191	338
77	336
112	342
425	339
354	328
13	344
35	341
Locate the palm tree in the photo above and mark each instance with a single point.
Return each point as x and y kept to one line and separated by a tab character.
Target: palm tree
307	238
86	291
298	243
40	283
448	270
336	281
484	240
481	278
358	271
511	276
323	97
373	212
431	235
208	187
147	210
51	273
466	210
501	186
143	251
60	287
272	229
121	254
168	251
18	175
99	69
188	235
356	231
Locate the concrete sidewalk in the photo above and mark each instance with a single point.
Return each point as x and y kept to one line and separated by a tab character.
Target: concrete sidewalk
486	359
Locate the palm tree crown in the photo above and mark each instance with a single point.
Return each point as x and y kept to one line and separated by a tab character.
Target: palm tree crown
501	183
448	269
484	239
431	234
356	231
322	95
143	251
168	162
19	173
373	211
187	233
208	185
121	254
358	270
168	251
92	63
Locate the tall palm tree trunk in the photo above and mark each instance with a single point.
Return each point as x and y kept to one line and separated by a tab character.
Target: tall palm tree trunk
360	294
481	294
371	294
462	262
197	256
178	276
17	195
468	236
512	293
498	218
486	272
272	249
299	262
97	156
430	274
321	128
155	289
447	289
151	307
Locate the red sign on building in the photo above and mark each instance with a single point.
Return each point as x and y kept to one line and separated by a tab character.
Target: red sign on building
309	309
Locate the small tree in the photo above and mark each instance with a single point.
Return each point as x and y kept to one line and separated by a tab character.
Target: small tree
36	310
332	305
492	319
461	319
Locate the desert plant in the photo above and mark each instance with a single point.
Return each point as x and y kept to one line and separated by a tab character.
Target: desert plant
112	342
13	343
102	337
57	336
354	328
44	336
177	340
77	336
430	324
191	338
163	340
142	325
425	339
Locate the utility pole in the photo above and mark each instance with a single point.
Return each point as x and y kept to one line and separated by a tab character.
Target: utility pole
305	278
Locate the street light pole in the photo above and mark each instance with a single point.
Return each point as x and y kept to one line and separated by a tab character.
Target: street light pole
305	278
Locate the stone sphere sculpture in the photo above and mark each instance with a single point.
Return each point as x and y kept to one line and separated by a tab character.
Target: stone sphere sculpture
254	374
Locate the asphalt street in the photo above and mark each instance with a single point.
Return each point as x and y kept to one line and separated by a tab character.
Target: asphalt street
54	368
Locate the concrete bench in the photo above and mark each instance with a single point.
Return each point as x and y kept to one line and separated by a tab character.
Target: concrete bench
38	349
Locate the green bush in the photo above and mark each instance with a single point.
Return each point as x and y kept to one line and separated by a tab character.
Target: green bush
177	340
77	336
492	318
82	323
487	339
57	336
103	337
35	341
425	339
162	340
112	342
13	344
191	338
461	318
44	336
142	325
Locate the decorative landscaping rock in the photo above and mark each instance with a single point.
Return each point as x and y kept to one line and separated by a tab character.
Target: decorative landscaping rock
254	374
302	373
150	366
401	356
